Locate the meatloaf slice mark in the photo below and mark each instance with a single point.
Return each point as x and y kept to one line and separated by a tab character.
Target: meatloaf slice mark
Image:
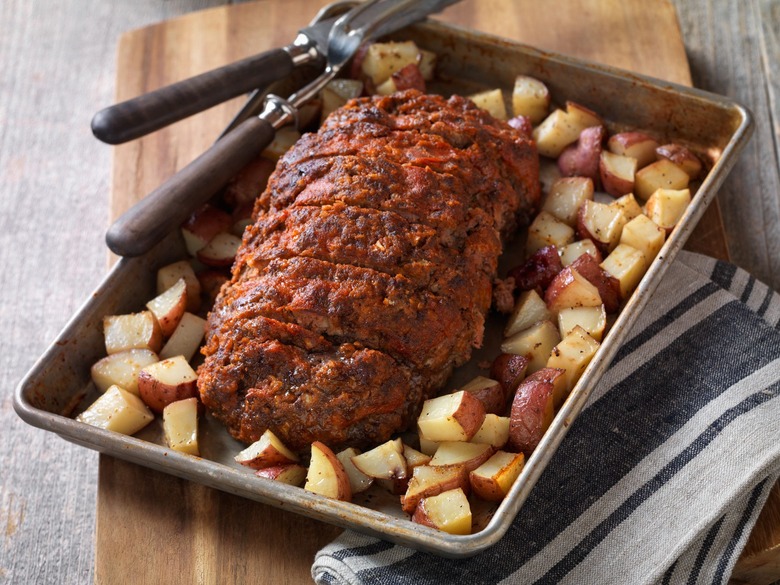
419	194
345	302
483	183
381	241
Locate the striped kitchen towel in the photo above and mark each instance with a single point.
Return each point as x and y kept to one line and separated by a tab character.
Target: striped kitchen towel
662	476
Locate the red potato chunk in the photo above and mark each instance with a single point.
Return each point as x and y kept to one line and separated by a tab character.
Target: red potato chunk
358	481
449	512
538	271
509	369
571	289
168	275
489	392
326	475
582	158
203	225
608	286
220	251
291	474
267	451
494	478
470	455
169	307
452	417
682	157
383	462
600	223
637	145
134	331
617	173
533	409
430	481
167	381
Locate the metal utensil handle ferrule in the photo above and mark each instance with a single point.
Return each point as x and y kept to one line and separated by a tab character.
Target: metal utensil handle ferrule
278	112
302	51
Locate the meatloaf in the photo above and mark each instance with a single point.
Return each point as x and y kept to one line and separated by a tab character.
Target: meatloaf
366	275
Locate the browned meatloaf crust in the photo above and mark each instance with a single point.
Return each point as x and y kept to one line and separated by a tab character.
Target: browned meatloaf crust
366	276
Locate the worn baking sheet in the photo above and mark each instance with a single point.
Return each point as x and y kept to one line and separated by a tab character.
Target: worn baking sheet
58	385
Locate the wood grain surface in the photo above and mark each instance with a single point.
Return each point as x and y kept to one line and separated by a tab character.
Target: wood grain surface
59	67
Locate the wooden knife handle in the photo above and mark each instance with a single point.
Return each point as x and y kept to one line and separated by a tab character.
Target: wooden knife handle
146	113
165	208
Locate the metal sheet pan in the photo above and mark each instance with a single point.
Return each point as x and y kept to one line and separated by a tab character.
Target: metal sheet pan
59	385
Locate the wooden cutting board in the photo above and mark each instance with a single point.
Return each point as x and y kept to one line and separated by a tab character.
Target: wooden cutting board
154	528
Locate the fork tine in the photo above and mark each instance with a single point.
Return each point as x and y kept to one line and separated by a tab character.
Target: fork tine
344	24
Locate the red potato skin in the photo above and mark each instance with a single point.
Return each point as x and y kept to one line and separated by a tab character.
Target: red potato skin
355	70
157	395
243	211
558	285
211	282
612	183
584	233
538	271
486	488
249	183
509	369
681	156
460	480
268	457
409	77
207	222
470	415
420	516
532	410
493	398
626	143
280	470
609	286
395	486
169	322
582	158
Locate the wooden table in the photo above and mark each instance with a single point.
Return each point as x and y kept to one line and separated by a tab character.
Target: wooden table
58	68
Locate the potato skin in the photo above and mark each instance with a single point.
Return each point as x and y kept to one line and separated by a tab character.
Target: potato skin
470	414
509	369
290	473
493	398
538	271
449	477
582	158
608	286
157	395
532	410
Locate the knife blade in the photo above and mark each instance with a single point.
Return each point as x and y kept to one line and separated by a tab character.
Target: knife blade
149	112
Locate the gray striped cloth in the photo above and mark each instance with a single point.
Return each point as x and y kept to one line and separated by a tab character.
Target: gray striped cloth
661	478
